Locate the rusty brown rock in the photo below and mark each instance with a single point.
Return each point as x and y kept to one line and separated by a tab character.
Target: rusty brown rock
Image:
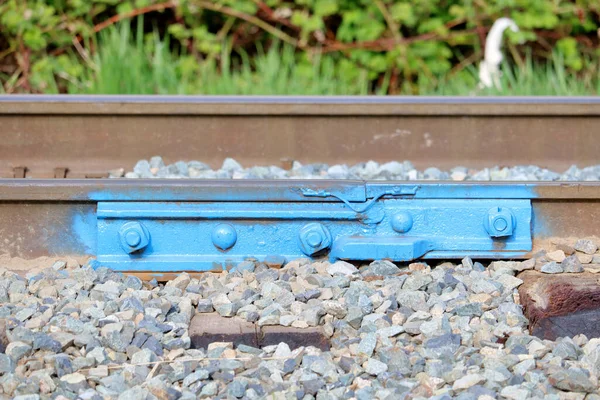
562	304
3	338
211	327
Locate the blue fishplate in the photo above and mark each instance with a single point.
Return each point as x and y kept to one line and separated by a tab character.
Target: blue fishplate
389	222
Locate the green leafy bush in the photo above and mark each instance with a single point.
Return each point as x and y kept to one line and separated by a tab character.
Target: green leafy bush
402	45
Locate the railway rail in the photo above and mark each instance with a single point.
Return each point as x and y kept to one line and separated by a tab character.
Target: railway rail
87	136
166	225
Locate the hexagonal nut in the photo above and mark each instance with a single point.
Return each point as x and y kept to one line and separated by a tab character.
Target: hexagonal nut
500	222
133	237
313	238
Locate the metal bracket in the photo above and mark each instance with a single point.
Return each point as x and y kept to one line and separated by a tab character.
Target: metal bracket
395	191
197	236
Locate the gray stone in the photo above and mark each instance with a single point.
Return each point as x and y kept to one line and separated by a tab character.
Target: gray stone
74	382
224	306
342	268
367	344
245	266
24	314
346	363
62	365
313	315
41	341
237	388
566	349
572	264
142	169
467	381
144	356
390	331
381	268
354	317
417	281
210	389
271	319
515	392
312	386
443	346
17	350
524	366
116	336
552	268
573	379
135	393
320	366
198	375
412	299
375	367
289	366
484	286
133	282
204	306
308	295
365	393
65	339
7	365
586	246
334	308
181	282
98	354
470	310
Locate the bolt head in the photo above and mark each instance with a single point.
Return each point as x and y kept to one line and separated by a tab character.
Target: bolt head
224	236
313	238
402	222
133	237
500	222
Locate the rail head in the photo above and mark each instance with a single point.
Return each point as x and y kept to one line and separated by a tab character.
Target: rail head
91	190
298	105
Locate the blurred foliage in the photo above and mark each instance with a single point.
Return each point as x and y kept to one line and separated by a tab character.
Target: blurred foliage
50	45
152	68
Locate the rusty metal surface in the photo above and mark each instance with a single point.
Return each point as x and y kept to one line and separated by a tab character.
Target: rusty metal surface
206	328
285	190
47	190
561	305
37	229
91	135
567	218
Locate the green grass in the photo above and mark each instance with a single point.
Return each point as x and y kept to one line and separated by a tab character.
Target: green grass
130	63
125	63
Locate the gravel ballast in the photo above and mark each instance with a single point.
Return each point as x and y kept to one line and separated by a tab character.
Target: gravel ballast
453	331
402	171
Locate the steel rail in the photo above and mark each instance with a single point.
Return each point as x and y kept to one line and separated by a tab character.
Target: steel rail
87	217
86	136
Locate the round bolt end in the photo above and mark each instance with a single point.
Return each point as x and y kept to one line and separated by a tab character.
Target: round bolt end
224	236
313	238
499	222
402	222
133	237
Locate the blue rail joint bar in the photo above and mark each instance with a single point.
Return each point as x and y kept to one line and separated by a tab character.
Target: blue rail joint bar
390	222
